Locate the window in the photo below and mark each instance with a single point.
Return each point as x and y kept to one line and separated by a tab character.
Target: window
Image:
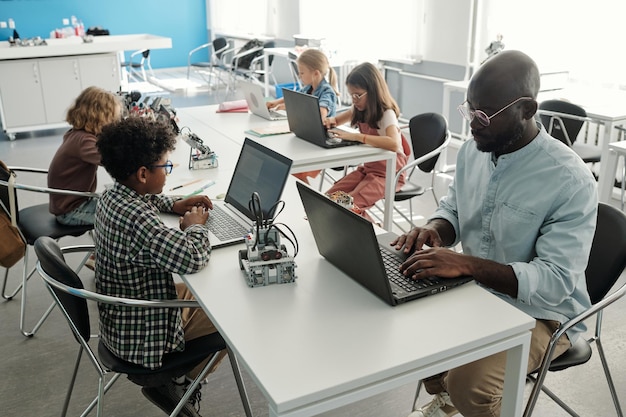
365	29
238	17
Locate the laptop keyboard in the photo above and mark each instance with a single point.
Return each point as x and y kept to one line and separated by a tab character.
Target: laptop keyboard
392	266
224	226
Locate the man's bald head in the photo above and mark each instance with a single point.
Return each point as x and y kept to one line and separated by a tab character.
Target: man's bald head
510	73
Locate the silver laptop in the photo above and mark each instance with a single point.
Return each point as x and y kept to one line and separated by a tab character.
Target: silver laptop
259	169
253	94
375	264
305	120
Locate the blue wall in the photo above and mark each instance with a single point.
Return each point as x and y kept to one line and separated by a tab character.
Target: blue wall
184	21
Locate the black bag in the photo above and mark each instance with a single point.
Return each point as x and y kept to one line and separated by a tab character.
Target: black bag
12	245
245	61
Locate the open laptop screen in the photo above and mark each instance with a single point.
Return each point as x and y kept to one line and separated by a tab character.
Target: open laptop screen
259	169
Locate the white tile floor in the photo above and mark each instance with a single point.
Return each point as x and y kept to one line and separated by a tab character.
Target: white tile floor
36	371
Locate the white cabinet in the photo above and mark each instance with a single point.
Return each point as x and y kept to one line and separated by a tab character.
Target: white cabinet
60	85
102	70
35	93
20	91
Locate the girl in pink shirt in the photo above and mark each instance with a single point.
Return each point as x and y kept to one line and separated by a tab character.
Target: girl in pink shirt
375	113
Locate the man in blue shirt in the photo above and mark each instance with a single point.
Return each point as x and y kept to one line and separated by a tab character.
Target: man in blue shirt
523	207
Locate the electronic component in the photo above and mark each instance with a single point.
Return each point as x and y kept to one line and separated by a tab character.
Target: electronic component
265	260
266	263
200	155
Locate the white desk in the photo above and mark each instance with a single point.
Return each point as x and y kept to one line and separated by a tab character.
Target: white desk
305	156
609	163
324	341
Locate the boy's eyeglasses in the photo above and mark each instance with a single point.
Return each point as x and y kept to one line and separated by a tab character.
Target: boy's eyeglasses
357	97
169	166
484	120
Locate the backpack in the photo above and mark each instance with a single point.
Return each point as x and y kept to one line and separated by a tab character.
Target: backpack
246	60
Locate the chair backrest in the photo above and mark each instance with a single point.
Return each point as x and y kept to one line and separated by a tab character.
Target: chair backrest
428	132
219	46
54	266
607	259
562	127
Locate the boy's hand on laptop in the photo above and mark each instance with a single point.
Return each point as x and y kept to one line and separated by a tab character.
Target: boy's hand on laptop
185	205
197	215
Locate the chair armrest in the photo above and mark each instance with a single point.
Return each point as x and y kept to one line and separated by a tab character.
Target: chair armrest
597	307
107	299
29	169
47	190
240	55
423	158
194	50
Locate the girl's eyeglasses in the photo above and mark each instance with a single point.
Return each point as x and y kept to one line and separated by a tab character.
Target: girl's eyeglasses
168	167
484	120
357	97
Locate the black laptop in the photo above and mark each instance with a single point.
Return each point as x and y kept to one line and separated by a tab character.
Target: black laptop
305	120
259	169
374	263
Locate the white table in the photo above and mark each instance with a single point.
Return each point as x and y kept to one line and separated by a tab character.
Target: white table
325	341
305	156
606	182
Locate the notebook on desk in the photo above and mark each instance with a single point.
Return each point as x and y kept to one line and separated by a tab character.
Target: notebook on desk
305	120
373	262
258	169
253	94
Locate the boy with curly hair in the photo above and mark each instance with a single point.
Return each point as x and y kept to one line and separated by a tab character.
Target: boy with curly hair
136	254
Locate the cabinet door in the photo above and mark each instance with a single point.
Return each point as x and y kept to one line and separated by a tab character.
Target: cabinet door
60	83
102	70
21	101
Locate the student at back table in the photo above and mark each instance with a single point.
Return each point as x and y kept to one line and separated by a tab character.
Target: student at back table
313	67
375	112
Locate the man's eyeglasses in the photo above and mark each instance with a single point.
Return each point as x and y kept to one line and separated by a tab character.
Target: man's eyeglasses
168	167
484	120
357	97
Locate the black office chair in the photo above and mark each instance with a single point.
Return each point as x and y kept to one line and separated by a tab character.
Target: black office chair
564	120
429	137
33	222
607	261
69	294
209	69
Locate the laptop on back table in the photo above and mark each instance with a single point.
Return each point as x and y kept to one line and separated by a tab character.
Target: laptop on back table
258	169
253	94
375	264
305	120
